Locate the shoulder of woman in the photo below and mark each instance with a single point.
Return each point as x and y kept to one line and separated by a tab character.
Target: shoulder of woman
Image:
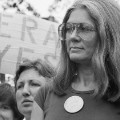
42	94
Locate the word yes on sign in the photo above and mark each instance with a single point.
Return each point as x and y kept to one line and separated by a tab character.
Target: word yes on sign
28	37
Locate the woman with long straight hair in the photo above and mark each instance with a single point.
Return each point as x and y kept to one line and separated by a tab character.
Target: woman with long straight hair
87	84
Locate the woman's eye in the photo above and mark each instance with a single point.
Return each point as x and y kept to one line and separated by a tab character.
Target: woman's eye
86	28
68	29
4	107
19	86
35	84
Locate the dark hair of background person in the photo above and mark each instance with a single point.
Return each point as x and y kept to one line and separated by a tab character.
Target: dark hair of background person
7	95
42	67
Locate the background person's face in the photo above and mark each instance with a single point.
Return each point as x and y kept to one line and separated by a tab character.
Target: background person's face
27	86
81	44
5	112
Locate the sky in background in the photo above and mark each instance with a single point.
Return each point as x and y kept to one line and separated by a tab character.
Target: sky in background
41	6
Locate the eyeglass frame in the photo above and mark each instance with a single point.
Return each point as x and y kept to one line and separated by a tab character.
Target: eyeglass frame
62	28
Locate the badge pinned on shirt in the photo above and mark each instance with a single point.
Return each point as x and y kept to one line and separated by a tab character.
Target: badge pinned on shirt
73	104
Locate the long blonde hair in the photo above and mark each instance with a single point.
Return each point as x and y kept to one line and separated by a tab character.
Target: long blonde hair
106	58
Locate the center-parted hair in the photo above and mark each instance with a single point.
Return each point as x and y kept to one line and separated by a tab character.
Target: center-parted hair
42	67
106	58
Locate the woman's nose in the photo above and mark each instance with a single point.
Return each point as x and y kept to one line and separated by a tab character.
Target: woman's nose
74	36
74	32
26	90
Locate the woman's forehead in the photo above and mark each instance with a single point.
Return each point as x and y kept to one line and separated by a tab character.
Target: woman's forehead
80	16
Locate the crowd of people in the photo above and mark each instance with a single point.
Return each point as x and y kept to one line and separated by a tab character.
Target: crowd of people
85	85
16	102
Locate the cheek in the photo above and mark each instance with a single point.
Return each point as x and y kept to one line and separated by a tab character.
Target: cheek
67	43
8	114
91	43
11	114
34	91
18	96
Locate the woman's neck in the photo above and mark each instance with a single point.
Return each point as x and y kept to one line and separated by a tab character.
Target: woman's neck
85	78
27	117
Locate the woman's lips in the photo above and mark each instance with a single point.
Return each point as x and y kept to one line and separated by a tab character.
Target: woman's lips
27	101
76	48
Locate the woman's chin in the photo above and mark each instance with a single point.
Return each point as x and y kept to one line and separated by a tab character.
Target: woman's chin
26	110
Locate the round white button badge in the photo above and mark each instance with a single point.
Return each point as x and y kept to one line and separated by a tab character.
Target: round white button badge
73	104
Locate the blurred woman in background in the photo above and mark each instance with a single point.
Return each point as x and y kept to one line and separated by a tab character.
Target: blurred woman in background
30	76
8	105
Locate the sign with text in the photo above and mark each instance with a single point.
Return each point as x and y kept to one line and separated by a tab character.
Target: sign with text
26	37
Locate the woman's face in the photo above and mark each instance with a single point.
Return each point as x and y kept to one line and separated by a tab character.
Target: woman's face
81	36
6	112
27	86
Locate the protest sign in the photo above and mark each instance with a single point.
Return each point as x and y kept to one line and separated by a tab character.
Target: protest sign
28	37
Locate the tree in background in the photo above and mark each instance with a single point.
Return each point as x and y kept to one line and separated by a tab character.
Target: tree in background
18	6
56	10
59	7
